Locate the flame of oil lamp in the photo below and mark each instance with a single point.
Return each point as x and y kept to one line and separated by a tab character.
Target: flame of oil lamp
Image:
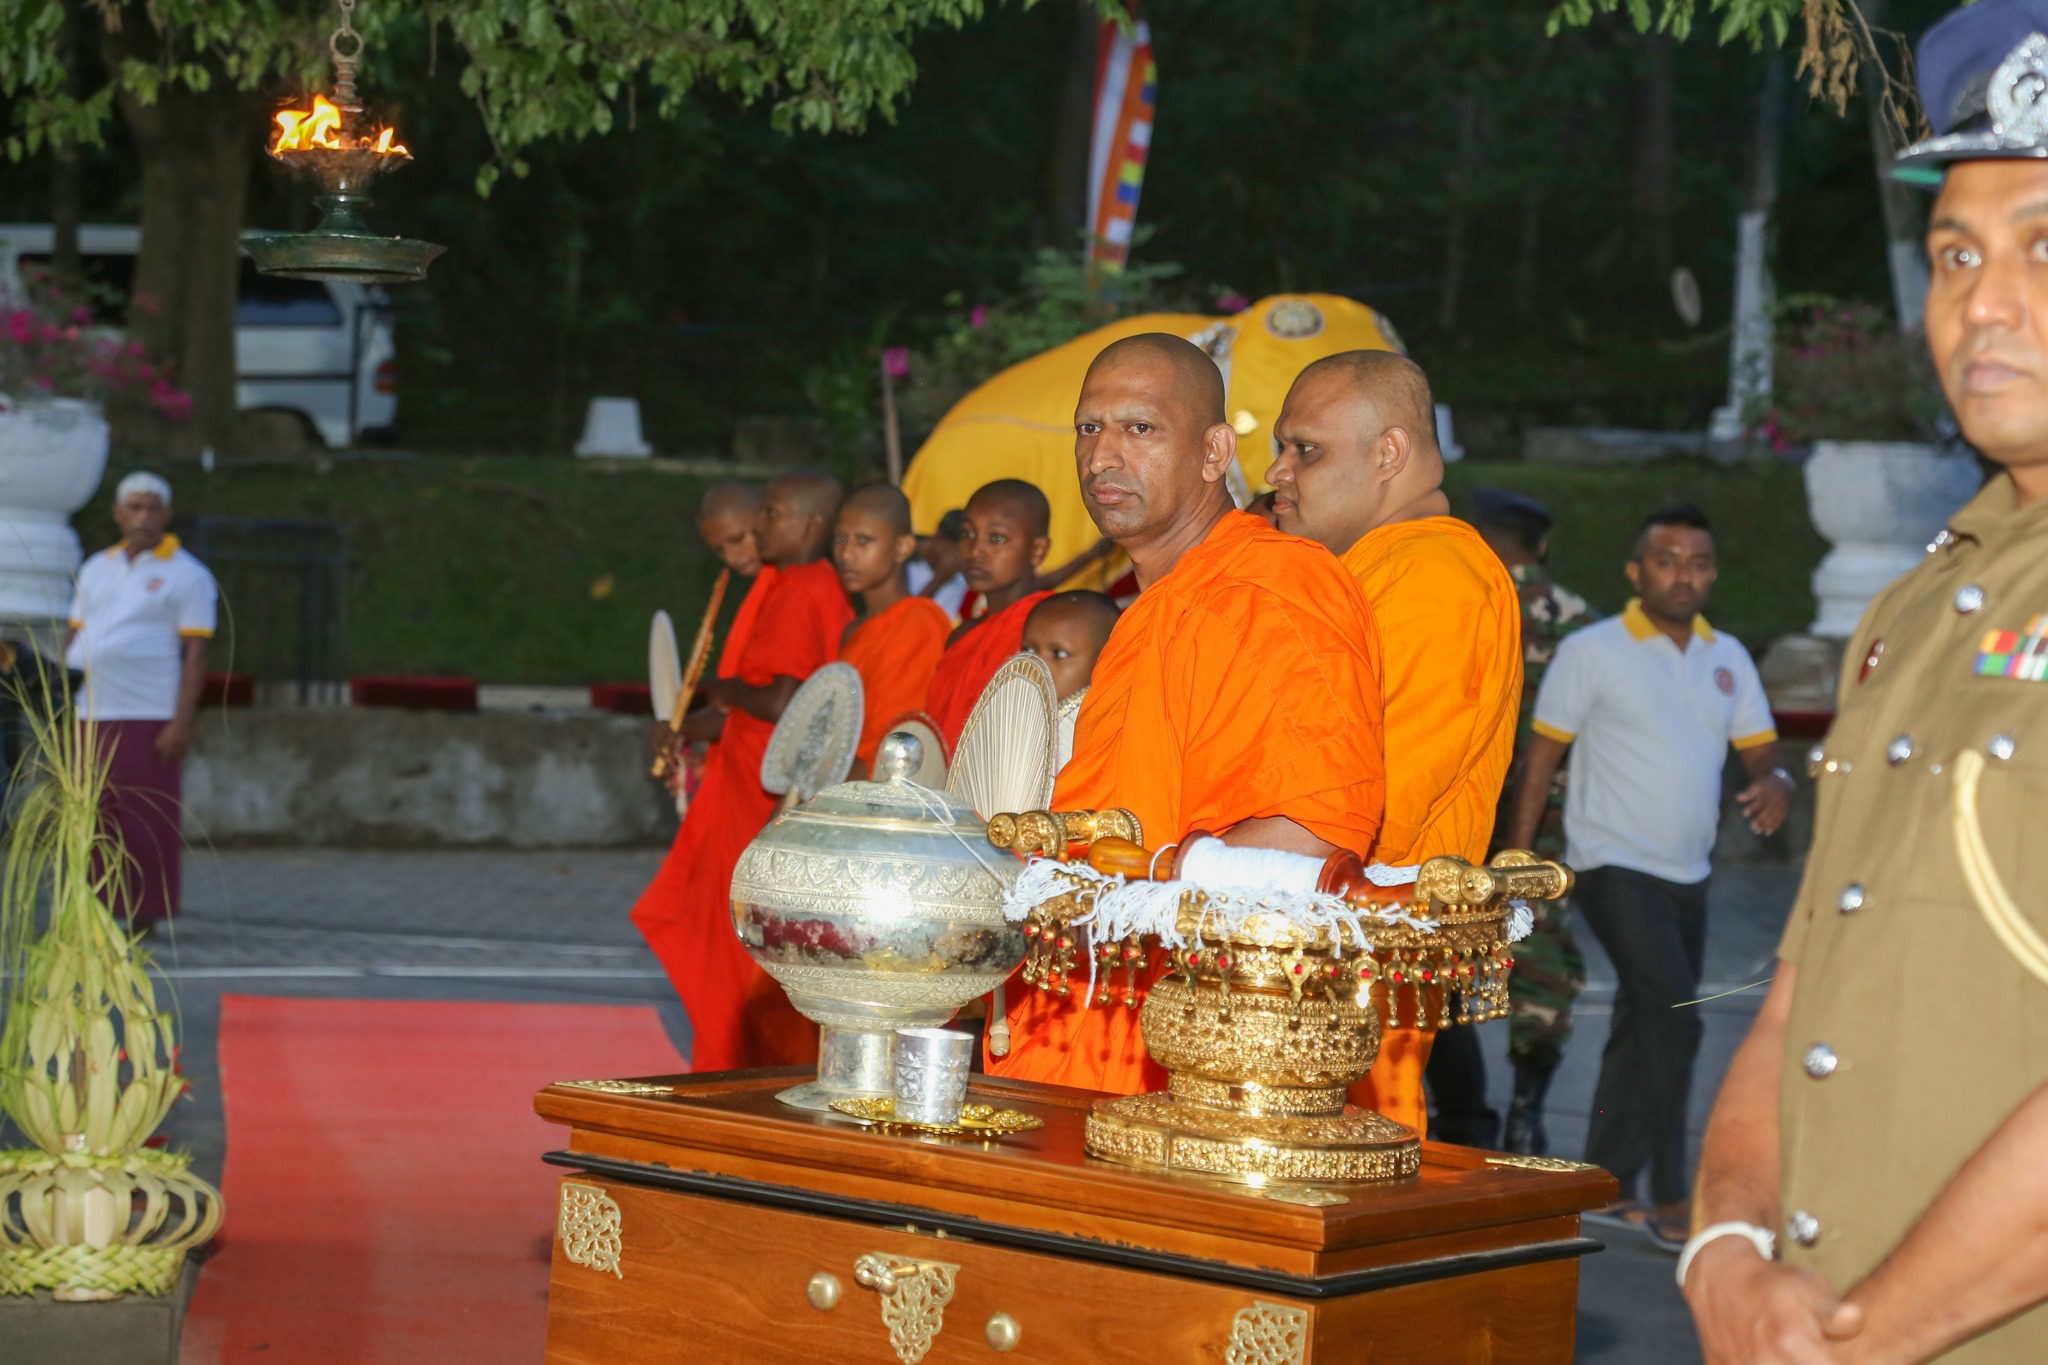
331	142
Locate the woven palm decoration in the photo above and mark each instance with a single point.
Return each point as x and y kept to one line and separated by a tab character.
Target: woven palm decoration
1007	756
812	747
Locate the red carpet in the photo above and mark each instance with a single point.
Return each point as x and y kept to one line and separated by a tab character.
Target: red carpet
385	1196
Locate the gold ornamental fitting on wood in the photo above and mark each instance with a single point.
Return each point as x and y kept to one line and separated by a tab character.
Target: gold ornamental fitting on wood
1263	1020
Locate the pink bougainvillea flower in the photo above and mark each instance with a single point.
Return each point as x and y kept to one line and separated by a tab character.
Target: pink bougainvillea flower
896	361
81	315
1233	302
135	348
978	317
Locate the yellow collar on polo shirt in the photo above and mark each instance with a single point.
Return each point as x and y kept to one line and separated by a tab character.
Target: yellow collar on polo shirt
1641	627
165	548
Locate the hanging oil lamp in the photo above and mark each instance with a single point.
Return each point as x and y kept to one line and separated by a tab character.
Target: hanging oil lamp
333	143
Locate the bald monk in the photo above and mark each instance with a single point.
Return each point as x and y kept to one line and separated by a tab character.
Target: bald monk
726	516
898	638
1359	471
1006	533
1239	694
738	1016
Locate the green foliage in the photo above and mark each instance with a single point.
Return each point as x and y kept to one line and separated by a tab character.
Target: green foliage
534	71
1750	20
1843	371
1056	299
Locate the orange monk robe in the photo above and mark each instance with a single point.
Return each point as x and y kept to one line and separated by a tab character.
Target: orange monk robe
1243	684
738	1015
971	661
896	652
1451	625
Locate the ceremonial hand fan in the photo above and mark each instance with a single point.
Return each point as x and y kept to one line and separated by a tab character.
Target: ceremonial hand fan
1007	756
812	747
1070	712
932	773
664	666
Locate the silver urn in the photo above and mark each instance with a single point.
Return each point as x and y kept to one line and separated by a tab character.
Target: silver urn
877	906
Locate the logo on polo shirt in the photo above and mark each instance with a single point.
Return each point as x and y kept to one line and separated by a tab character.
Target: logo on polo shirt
152	585
1724	680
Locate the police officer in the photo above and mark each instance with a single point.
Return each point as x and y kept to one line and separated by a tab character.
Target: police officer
1550	971
1873	1185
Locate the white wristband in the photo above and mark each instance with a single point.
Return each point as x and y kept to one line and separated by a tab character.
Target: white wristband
1763	1239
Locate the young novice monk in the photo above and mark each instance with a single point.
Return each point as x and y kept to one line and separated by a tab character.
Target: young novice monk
738	1015
1068	631
898	639
1002	545
725	520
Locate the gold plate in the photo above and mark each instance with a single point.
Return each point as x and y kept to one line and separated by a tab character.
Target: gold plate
976	1120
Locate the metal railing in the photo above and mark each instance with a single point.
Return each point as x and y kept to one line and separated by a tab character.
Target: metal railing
284	601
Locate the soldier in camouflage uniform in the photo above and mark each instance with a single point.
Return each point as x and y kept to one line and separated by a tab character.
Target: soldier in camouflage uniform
1549	971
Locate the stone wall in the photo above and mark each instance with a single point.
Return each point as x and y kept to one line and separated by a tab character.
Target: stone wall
365	778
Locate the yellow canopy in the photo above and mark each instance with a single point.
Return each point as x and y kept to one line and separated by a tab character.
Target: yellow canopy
1020	423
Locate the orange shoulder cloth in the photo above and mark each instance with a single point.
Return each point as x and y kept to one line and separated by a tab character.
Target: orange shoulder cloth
896	651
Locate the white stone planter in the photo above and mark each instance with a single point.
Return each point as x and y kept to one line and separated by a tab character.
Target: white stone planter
53	452
1878	503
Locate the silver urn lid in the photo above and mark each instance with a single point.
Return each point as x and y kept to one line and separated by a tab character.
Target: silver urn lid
878	905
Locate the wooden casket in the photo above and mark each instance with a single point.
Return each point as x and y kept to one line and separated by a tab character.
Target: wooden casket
700	1219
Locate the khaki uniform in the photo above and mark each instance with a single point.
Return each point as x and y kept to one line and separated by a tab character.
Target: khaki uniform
1913	1032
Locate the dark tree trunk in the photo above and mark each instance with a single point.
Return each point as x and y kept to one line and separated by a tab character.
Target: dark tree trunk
196	151
1655	153
66	169
1528	250
1066	173
1458	220
1904	210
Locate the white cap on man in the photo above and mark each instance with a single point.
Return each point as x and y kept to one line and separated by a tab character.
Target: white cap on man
141	481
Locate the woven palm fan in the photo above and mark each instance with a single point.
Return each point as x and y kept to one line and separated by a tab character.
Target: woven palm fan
932	772
1070	712
812	747
1007	757
664	666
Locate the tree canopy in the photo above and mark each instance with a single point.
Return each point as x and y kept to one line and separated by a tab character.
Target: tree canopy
566	69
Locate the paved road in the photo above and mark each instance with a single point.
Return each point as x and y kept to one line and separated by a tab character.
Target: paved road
553	927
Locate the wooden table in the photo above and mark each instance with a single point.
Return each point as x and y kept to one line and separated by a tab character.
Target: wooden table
705	1221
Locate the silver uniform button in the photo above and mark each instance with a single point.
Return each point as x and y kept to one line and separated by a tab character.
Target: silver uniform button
1899	750
1803	1228
1851	899
1969	598
1821	1061
1815	757
2001	747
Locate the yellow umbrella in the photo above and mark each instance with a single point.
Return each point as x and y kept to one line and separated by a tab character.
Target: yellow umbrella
1020	423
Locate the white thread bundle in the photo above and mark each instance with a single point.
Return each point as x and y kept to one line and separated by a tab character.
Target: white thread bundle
1211	862
1118	909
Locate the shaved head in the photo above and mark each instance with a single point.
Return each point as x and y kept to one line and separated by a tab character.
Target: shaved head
729	497
1026	498
1152	450
811	491
1197	382
1096	610
1393	386
1358	449
796	518
1068	631
885	503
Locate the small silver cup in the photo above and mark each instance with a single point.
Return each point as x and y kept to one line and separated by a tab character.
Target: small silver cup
931	1074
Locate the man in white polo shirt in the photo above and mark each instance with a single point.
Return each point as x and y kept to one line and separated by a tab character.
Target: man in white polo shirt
141	618
1649	702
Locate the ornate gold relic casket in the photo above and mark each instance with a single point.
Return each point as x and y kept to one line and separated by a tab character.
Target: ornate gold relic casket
1262	1009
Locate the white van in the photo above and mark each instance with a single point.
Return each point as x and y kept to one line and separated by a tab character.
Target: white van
316	348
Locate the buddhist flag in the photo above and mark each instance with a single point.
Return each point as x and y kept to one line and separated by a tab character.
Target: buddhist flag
1125	86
